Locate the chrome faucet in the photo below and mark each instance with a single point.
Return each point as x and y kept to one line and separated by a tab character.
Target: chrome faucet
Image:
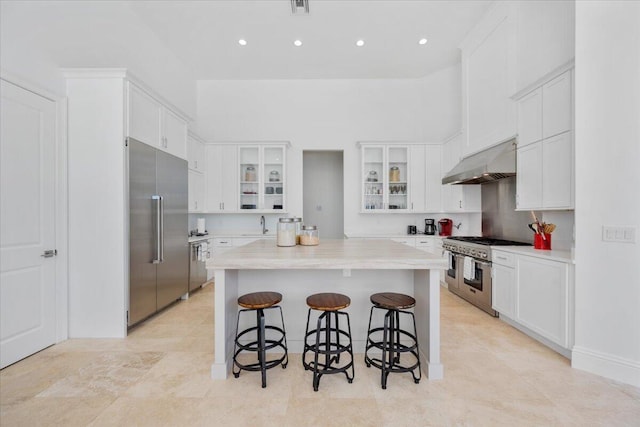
263	223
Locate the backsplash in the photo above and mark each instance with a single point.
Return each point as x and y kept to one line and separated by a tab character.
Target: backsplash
501	220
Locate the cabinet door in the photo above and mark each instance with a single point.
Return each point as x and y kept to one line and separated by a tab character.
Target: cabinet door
195	154
175	134
542	303
397	172
418	178
557	106
196	191
433	166
250	177
144	117
488	78
228	176
373	181
221	178
530	118
504	290
471	200
529	177
274	179
557	171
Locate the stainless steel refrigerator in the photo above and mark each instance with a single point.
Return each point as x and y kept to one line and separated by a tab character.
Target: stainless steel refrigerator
158	229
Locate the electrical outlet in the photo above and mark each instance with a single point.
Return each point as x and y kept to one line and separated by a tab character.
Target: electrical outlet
612	233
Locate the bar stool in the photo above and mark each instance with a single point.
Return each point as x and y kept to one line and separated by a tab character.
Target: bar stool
392	345
330	304
259	302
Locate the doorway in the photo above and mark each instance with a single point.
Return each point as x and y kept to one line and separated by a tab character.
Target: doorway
323	192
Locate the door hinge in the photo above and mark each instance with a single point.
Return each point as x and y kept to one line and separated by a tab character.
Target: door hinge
127	316
50	253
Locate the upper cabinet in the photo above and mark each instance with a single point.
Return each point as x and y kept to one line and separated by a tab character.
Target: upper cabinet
385	177
221	178
262	177
457	198
246	177
196	159
488	80
545	155
152	122
196	153
545	39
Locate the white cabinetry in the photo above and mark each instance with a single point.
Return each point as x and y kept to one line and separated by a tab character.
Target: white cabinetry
545	38
196	153
535	294
221	183
457	198
246	177
503	283
543	298
545	155
196	162
152	122
262	177
488	71
196	191
385	177
101	111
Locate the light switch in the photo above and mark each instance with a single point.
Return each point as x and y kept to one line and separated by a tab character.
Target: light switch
612	233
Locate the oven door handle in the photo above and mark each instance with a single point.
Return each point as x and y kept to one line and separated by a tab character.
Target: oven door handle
488	264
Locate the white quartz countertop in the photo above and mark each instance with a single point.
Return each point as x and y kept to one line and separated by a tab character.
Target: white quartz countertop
554	255
390	235
329	254
232	234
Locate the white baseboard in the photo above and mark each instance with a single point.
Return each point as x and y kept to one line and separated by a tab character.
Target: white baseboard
606	365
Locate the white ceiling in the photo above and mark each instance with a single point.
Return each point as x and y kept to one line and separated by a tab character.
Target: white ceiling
205	34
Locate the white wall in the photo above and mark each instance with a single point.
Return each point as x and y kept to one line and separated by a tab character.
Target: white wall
607	336
333	115
39	37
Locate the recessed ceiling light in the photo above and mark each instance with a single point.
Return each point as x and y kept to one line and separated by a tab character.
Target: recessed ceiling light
298	43
360	43
422	41
242	42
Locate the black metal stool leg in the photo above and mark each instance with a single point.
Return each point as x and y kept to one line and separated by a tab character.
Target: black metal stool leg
286	346
397	330
386	335
262	355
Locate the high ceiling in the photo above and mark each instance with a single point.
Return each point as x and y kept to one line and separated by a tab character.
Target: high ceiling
205	34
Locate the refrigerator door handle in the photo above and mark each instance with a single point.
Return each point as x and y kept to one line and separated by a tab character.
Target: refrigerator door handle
159	237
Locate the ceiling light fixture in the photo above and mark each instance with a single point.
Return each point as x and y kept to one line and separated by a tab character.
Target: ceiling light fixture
300	7
242	42
298	43
360	43
422	41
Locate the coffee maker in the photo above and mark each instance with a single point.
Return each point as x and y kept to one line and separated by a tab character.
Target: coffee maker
446	226
430	226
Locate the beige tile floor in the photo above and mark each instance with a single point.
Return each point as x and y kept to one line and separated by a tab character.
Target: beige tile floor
159	376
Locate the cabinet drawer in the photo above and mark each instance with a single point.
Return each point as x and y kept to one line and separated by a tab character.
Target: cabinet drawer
223	242
504	258
422	242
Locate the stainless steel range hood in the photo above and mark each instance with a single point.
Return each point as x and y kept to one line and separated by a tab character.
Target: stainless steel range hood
489	165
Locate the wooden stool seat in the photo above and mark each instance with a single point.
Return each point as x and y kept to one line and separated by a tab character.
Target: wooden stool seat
257	300
328	301
393	301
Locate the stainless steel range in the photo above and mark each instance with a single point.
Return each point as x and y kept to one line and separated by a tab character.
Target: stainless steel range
469	271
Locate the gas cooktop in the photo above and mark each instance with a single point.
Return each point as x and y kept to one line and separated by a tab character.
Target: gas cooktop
487	241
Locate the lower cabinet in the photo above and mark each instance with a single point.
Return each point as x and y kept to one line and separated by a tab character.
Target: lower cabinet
542	302
535	293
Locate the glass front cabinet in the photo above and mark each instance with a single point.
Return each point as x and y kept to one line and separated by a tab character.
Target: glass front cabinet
262	177
384	175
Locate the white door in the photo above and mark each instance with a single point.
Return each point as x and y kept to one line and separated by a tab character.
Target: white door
27	188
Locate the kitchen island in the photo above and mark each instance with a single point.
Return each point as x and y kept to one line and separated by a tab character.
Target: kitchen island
355	267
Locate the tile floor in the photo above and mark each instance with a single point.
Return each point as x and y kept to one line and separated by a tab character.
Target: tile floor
159	376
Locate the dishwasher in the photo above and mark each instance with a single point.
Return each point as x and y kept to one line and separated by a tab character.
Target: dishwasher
200	253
